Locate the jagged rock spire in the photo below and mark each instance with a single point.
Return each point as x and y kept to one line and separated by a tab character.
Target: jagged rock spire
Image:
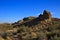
46	15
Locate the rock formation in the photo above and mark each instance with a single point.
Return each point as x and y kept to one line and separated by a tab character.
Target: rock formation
43	27
45	16
29	21
28	18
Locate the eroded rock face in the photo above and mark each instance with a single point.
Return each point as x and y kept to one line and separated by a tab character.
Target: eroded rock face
28	18
45	16
30	21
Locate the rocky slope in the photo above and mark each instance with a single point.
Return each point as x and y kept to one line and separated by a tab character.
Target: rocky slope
43	27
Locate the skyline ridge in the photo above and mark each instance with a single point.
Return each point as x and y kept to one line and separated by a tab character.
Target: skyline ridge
14	10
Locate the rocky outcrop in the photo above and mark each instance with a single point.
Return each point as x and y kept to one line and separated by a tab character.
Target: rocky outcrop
45	16
28	18
43	27
32	21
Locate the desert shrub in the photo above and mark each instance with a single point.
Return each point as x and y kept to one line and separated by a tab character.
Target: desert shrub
8	38
1	38
41	35
56	38
22	29
4	27
4	35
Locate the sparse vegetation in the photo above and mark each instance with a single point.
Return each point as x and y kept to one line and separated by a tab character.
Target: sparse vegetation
32	28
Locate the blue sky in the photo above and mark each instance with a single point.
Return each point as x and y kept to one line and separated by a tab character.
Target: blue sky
14	10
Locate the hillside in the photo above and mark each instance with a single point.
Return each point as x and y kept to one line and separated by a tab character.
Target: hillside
43	27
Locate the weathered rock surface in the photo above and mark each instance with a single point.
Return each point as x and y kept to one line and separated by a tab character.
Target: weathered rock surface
29	21
46	15
43	27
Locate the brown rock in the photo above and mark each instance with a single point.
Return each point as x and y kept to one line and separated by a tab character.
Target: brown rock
28	18
41	16
45	15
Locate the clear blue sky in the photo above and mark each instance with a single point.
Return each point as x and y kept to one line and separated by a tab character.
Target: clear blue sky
14	10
